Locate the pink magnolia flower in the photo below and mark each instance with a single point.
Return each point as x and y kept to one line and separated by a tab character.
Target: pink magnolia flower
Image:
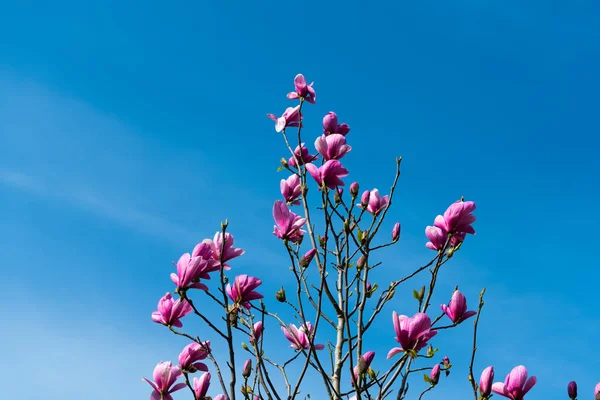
412	333
396	232
220	397
201	385
456	310
572	390
165	375
437	238
516	385
434	375
189	271
457	238
288	224
331	126
170	311
299	338
329	174
332	147
303	90
307	258
290	118
485	381
375	203
205	251
192	353
242	291
258	330
247	370
368	358
291	189
457	218
354	189
301	153
217	246
597	392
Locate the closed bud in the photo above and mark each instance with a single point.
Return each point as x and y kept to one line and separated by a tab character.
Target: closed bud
354	189
245	346
362	365
446	362
422	292
347	227
435	374
361	262
306	259
396	232
485	382
280	295
247	371
246	390
337	196
284	162
450	252
323	241
364	199
572	390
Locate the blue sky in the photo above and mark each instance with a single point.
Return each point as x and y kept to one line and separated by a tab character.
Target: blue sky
129	130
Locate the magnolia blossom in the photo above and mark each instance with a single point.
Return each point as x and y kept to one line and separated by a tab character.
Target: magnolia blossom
288	225
456	310
290	118
223	252
332	147
331	126
299	338
165	375
220	397
257	332
247	370
354	189
303	90
516	385
396	232
205	251
434	375
201	385
361	367
373	201
572	390
412	333
301	153
170	311
189	271
437	238
242	290
485	381
291	190
457	218
306	259
329	174
597	392
192	353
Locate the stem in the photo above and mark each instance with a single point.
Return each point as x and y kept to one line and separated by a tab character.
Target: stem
471	378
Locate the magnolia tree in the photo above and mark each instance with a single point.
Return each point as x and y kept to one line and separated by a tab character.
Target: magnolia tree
333	260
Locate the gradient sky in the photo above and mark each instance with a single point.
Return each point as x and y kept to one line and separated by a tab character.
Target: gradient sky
129	130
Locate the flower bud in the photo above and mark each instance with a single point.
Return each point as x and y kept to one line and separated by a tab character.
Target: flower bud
337	196
246	390
422	292
572	390
361	262
323	241
354	189
280	295
284	162
247	371
364	199
446	362
485	382
435	374
396	232
306	259
245	346
362	365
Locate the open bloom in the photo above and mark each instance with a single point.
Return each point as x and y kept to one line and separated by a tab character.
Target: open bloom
457	218
201	385
437	238
485	381
290	118
516	385
170	311
242	290
301	153
362	366
192	353
258	330
288	224
412	333
223	251
165	375
205	251
299	338
189	271
329	174
373	201
303	90
331	126
291	189
456	310
332	147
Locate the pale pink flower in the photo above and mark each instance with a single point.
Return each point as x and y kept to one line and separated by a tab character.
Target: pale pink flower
374	202
291	118
189	271
223	252
331	126
201	385
332	147
516	385
242	290
437	238
288	224
170	311
456	310
412	333
396	232
485	381
291	190
329	174
597	392
301	153
303	90
299	338
165	375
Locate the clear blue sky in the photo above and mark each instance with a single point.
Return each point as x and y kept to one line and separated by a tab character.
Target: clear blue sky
128	130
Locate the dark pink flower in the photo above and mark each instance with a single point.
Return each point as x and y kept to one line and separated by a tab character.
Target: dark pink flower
374	202
307	258
165	375
437	238
192	353
189	271
291	189
457	218
170	311
368	359
456	310
572	390
332	147
205	251
331	126
412	333
301	153
223	252
434	375
354	189
290	118
485	381
516	385
299	338
288	224
242	290
396	232
201	385
303	90
329	174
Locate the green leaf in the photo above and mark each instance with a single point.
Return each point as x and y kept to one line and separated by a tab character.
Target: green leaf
426	378
280	169
416	295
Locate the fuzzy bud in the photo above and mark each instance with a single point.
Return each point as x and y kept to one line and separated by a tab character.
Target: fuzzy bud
280	295
354	189
306	259
247	371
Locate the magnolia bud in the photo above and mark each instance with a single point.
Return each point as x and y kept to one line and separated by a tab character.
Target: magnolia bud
337	196
306	259
246	390
362	365
396	232
361	262
435	374
323	241
422	292
247	371
354	189
364	199
280	295
446	362
572	390
284	162
245	346
485	382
